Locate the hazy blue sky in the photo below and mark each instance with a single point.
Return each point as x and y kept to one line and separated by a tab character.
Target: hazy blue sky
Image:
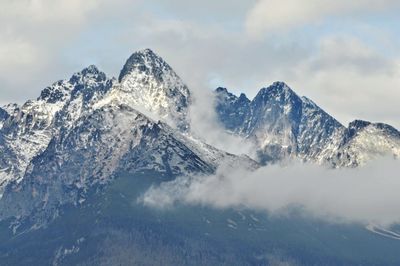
345	55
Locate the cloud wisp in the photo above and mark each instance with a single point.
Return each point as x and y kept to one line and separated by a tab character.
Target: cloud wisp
205	126
364	195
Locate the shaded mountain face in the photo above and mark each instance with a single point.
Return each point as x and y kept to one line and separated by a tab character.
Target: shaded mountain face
3	116
284	125
364	141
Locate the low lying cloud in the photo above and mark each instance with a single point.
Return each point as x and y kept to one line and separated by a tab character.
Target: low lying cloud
369	194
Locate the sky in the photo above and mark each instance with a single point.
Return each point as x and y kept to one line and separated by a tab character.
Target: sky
344	55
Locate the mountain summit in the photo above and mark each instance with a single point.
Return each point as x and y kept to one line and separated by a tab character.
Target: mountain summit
147	81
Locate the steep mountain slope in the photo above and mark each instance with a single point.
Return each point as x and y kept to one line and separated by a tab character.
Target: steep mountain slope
89	128
284	125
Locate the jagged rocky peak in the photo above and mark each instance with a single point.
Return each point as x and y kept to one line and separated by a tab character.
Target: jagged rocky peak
223	92
90	73
145	61
364	141
90	81
357	126
30	127
278	88
55	93
148	83
278	102
62	90
232	110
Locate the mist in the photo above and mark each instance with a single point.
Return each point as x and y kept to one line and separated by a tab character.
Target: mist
366	195
205	125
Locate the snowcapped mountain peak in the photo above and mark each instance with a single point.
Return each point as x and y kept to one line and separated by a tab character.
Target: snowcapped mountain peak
145	61
278	90
88	75
363	141
357	126
149	84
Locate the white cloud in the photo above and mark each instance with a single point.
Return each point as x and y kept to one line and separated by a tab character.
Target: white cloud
351	80
272	15
364	195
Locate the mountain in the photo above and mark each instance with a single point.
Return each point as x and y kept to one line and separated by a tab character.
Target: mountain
80	131
76	162
284	126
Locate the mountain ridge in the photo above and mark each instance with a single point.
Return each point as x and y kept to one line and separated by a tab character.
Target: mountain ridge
285	125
